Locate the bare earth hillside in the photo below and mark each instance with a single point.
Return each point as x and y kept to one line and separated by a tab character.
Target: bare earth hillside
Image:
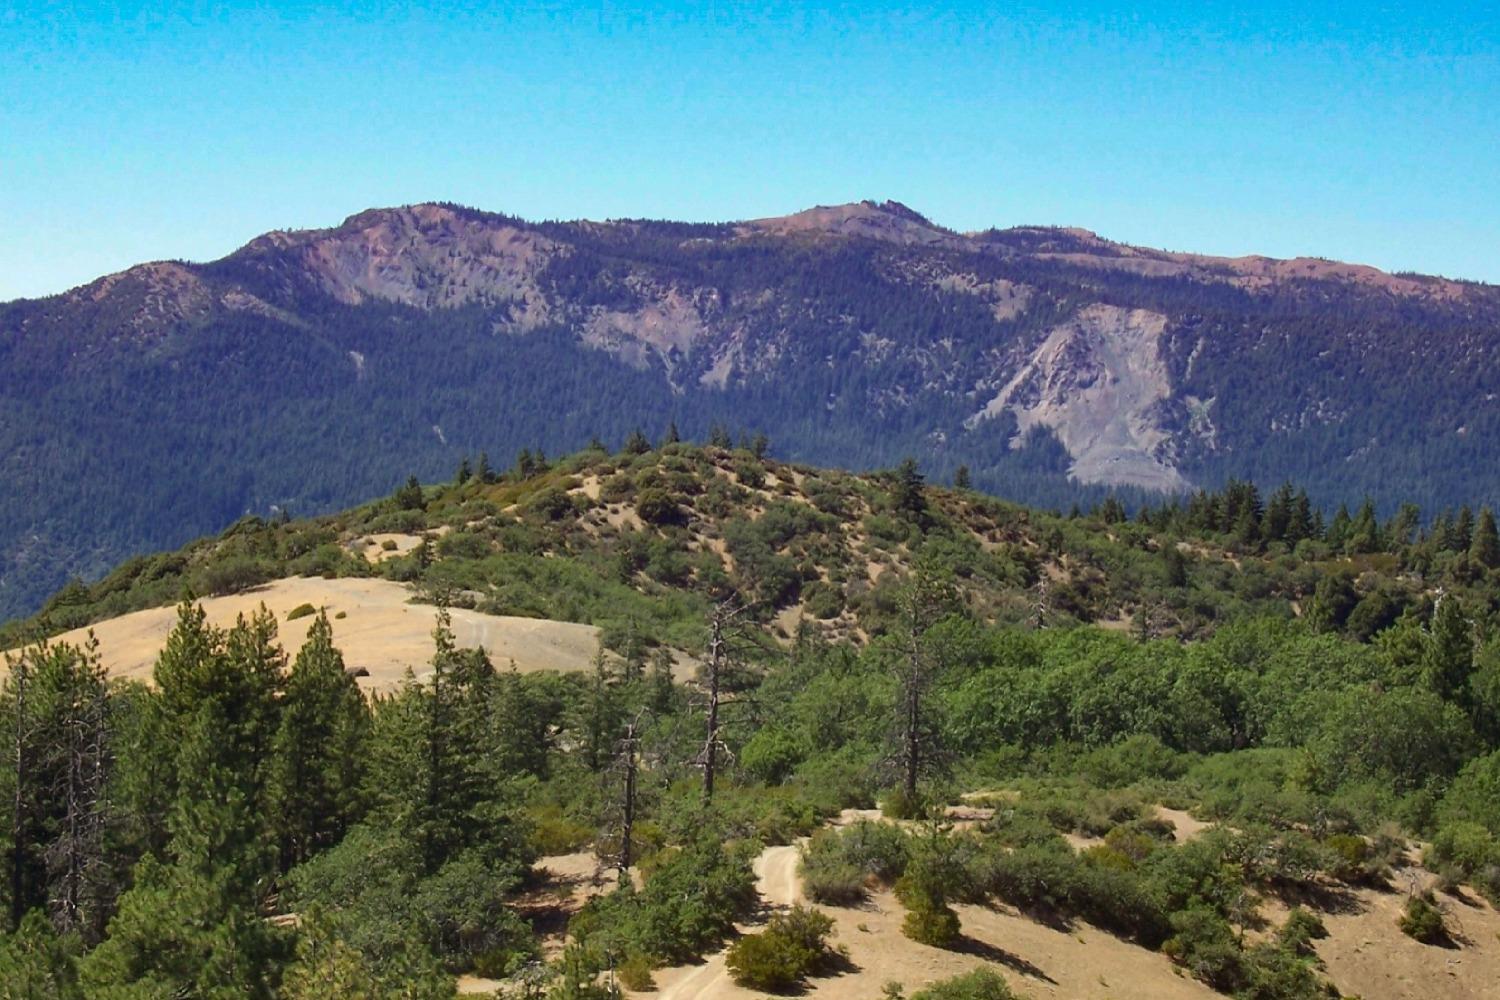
379	631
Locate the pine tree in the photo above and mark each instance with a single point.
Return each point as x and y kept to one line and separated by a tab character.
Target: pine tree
1247	529
464	473
1333	599
192	927
1448	653
1404	525
440	770
961	480
1338	528
1364	531
1174	566
318	751
909	490
632	653
1463	530
636	443
599	715
1278	520
1484	549
671	437
662	695
56	705
409	496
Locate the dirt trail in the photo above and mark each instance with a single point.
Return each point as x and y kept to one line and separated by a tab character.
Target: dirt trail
780	885
1037	960
380	632
776	875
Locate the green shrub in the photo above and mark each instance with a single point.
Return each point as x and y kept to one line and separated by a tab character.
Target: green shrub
981	984
388	545
464	545
1351	859
772	754
1301	929
1119	900
300	611
833	880
635	973
657	506
837	865
554	833
1022	827
750	474
1474	795
924	890
617	488
550	504
1465	847
1135	758
897	804
823	600
232	576
1423	921
688	904
1204	944
931	922
793	946
1277	973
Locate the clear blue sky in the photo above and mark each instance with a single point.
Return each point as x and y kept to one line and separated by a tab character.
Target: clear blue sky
135	132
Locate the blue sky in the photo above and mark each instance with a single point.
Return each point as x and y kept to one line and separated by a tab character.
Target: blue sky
136	132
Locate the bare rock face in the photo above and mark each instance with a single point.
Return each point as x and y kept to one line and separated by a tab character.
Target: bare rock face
429	256
1099	381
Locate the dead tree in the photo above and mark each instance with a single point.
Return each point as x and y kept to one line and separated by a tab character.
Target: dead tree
60	759
723	628
926	600
20	679
1041	614
76	858
626	771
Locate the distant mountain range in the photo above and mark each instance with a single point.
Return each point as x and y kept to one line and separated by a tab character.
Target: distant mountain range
311	369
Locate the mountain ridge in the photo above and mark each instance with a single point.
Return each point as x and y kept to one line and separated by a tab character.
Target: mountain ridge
889	220
311	367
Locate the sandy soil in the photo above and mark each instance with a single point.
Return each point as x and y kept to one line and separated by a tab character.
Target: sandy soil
373	547
1187	825
1037	960
380	631
1368	956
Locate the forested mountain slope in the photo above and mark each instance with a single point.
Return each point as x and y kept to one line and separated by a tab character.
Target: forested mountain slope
312	368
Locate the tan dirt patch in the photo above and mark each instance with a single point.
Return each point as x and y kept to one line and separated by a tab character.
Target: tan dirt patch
380	632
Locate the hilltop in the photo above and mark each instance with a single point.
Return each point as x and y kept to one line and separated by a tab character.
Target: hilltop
311	368
624	712
639	542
